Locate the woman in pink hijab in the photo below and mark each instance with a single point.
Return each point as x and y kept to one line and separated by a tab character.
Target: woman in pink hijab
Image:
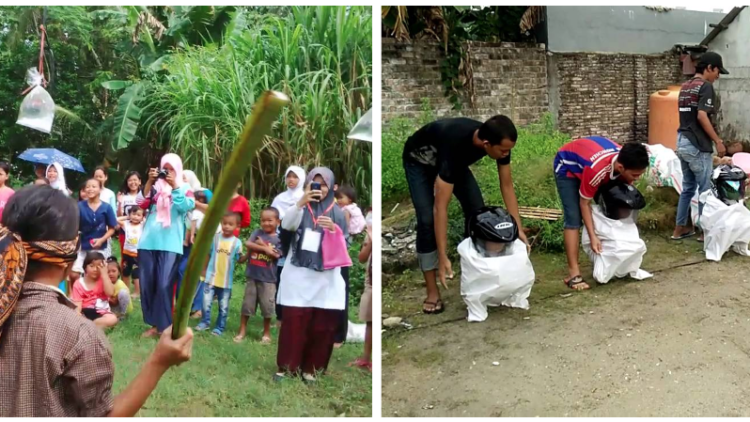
169	199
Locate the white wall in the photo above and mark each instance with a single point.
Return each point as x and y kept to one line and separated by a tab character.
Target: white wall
624	29
734	89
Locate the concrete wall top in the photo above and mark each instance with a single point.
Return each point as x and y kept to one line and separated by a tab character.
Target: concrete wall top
732	43
624	29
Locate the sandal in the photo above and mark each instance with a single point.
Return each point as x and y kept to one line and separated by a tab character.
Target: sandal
574	281
238	338
265	340
362	364
684	235
436	309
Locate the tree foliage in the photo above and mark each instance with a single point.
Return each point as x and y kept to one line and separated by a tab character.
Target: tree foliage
134	82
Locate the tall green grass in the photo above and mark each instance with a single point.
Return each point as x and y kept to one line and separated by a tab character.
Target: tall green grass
319	56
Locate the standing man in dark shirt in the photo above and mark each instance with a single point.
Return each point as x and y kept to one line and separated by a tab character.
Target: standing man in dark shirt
436	161
696	137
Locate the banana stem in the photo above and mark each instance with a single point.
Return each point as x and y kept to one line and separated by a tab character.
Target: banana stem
257	126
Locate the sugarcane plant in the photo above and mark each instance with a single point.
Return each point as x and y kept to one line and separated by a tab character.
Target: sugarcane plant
265	112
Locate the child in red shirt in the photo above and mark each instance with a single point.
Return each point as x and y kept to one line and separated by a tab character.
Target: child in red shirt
239	205
91	292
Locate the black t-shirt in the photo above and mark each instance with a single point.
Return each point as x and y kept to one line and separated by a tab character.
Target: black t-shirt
447	145
696	94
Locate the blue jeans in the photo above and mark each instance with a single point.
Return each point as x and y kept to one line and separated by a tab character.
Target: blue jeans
223	296
696	173
421	181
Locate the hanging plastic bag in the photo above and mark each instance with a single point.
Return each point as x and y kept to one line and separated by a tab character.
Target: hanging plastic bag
362	131
37	109
622	248
498	281
355	333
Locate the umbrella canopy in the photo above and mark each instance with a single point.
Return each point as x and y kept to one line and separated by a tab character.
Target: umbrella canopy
51	155
362	131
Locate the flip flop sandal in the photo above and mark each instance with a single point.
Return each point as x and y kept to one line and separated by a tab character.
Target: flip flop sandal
362	364
436	310
683	236
429	312
441	308
574	281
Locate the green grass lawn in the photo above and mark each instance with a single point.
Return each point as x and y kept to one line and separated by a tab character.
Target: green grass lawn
227	379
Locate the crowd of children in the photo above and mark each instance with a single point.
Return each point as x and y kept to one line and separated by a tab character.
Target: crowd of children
147	221
156	222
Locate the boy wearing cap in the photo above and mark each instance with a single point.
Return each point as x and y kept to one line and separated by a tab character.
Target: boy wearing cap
696	136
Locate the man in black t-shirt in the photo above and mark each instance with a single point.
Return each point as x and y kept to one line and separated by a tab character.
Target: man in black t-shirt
696	137
436	161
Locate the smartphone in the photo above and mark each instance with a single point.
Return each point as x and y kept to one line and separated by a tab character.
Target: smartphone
315	186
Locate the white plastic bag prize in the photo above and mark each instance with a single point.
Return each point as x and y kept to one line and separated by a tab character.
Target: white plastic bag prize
724	227
499	281
622	248
665	168
37	108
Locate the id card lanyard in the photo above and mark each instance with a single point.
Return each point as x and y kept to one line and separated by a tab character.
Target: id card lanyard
312	214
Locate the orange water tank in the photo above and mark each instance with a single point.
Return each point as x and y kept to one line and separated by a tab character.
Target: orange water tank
663	117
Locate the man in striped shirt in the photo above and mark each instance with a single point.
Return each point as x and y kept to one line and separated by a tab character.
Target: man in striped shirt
581	167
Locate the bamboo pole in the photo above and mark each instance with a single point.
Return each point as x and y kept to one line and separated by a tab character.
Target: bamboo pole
265	113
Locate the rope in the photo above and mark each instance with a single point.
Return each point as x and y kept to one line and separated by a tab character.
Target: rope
41	60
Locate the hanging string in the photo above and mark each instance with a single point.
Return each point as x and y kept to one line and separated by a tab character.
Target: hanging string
41	60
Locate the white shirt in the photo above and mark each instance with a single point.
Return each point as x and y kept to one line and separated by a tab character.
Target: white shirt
106	195
127	201
132	237
305	288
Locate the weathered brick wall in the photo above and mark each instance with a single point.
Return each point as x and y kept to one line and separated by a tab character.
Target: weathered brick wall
588	93
509	79
607	94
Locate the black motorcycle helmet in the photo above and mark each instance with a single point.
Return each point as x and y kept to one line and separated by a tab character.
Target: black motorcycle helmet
618	199
493	231
728	183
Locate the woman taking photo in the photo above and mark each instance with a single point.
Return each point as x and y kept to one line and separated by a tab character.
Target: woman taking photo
168	199
311	295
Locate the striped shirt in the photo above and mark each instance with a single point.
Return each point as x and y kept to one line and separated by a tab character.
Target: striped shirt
589	159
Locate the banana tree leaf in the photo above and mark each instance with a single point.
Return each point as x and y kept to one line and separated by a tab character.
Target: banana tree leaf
127	115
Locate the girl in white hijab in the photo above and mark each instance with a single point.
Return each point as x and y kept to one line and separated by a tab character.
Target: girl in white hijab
191	179
295	181
295	184
56	177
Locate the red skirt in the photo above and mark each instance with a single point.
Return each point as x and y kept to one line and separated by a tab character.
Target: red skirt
306	339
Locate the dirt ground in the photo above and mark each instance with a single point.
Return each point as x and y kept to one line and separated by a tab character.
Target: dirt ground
674	345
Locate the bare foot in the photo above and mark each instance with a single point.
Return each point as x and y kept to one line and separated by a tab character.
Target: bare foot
337	345
151	332
197	315
265	340
238	338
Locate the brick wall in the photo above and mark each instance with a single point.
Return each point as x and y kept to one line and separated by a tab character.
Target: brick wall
588	93
607	94
509	79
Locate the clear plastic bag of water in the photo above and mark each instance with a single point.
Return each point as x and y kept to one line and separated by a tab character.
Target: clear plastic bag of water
37	108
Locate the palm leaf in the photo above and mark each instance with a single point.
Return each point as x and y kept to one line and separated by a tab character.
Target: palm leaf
65	113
